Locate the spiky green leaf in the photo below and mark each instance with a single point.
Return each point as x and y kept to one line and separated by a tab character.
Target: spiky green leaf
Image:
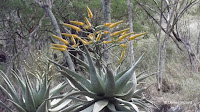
76	76
6	92
71	107
120	74
127	103
94	78
59	107
122	81
17	106
29	100
75	83
99	105
4	106
56	90
110	83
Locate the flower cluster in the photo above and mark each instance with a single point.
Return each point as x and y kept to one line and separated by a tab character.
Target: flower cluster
117	37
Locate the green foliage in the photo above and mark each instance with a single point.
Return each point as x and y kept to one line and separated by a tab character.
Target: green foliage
33	93
109	91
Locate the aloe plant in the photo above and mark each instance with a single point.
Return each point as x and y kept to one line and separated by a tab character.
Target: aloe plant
33	94
105	91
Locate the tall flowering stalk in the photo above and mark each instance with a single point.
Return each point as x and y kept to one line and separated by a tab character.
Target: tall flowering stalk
96	38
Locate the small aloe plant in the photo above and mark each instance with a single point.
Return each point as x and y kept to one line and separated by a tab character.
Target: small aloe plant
31	96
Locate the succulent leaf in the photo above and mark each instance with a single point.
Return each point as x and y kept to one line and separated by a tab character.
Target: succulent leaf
110	83
42	107
88	109
138	92
71	107
42	90
17	106
120	74
4	106
75	75
99	105
6	92
11	89
29	100
57	89
56	108
129	104
78	85
111	107
122	81
97	88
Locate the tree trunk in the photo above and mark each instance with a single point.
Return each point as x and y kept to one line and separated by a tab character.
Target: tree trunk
198	44
192	56
159	77
107	19
130	17
58	33
106	10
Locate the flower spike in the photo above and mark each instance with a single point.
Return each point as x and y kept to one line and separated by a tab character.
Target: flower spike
61	39
59	45
124	36
90	15
123	45
115	24
122	55
88	22
135	36
77	23
119	32
58	48
72	26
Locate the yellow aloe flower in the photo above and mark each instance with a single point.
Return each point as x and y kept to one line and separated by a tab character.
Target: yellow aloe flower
72	26
88	22
61	39
86	27
124	32
73	40
90	15
123	45
119	32
91	37
90	42
83	41
115	24
98	32
58	48
122	55
135	36
70	35
98	37
106	32
107	42
124	36
75	45
59	45
77	23
107	24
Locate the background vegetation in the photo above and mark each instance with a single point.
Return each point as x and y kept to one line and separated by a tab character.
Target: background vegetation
25	37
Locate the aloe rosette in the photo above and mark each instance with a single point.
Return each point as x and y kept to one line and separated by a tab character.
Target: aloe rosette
105	91
30	96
